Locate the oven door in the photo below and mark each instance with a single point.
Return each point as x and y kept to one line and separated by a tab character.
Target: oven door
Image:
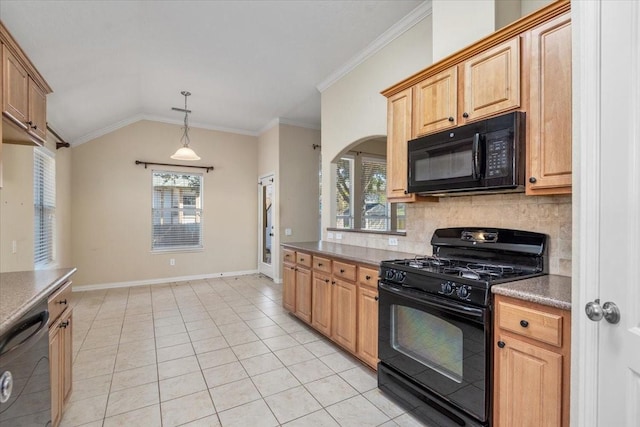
439	345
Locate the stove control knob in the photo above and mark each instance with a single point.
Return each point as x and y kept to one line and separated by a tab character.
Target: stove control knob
400	276
447	288
389	274
463	292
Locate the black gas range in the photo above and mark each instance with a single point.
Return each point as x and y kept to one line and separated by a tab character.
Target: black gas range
435	323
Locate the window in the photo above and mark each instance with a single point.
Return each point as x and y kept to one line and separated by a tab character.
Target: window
44	202
177	211
361	195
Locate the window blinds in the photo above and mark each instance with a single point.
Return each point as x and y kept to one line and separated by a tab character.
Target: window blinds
176	211
44	201
375	209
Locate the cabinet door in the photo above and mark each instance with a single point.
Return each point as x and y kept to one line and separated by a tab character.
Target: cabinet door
344	314
321	303
303	294
289	287
67	362
37	111
368	325
492	81
398	134
55	365
15	90
528	383
549	115
435	103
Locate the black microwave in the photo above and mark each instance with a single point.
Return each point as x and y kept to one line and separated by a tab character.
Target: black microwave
482	157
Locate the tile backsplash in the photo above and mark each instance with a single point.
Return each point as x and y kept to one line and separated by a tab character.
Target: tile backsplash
544	214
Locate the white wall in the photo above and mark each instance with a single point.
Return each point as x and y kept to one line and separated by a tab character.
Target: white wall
111	205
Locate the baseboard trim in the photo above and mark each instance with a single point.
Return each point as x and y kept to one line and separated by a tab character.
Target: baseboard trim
115	285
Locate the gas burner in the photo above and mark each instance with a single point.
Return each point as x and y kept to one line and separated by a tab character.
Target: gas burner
429	262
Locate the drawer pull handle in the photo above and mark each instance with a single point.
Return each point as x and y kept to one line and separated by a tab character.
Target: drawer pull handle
301	259
333	282
320	264
501	344
524	323
64	325
341	270
367	277
63	301
326	280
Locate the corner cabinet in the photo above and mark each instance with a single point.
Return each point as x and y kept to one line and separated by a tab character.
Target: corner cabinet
531	364
60	350
549	114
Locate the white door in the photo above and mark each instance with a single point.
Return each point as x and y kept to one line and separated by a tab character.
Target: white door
606	357
267	239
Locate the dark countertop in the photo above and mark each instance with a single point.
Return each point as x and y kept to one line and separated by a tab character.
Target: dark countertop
359	254
21	290
550	290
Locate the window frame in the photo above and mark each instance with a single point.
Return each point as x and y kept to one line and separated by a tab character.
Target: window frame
199	214
45	180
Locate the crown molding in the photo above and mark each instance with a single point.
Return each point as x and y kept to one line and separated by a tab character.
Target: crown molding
282	121
399	28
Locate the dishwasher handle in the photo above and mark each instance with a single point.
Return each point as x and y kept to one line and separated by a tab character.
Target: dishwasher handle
41	318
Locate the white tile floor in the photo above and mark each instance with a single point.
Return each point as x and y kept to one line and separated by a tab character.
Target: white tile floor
215	352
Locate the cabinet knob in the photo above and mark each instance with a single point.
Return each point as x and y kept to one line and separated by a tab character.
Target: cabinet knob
341	270
64	325
326	280
333	282
533	180
319	264
376	298
301	259
465	115
406	192
501	344
524	323
367	277
63	301
30	123
34	127
451	119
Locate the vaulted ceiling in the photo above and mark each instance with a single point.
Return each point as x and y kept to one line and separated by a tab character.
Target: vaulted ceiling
246	63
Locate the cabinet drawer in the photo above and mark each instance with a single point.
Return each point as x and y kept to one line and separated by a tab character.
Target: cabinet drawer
59	301
535	324
289	256
345	271
322	264
303	259
368	277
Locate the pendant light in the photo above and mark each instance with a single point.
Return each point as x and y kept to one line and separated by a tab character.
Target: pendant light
185	152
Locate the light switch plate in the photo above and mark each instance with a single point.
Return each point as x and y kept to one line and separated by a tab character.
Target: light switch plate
338	236
287	232
330	235
393	241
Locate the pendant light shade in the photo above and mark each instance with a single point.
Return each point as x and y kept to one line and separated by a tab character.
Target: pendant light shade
185	152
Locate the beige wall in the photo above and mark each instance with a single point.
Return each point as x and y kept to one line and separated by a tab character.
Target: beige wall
16	208
111	205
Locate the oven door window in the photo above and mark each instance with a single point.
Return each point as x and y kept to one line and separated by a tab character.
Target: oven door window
428	339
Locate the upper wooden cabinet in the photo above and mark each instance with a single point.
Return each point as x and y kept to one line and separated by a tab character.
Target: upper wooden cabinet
549	113
491	81
435	103
524	66
24	91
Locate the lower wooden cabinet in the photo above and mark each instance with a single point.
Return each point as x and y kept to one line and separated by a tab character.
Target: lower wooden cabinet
368	325
336	297
303	294
532	364
343	319
60	350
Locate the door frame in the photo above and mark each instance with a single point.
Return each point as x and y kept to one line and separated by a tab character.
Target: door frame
271	271
593	28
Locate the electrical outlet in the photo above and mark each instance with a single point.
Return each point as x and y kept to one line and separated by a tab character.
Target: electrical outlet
172	261
330	235
287	232
393	241
14	247
338	236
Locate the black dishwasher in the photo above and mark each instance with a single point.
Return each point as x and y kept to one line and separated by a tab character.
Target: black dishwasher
25	384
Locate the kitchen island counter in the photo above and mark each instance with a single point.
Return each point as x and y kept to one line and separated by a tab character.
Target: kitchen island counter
21	290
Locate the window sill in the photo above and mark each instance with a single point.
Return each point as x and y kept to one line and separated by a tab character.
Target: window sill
359	230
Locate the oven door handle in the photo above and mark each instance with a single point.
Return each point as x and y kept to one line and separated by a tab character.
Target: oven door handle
431	301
